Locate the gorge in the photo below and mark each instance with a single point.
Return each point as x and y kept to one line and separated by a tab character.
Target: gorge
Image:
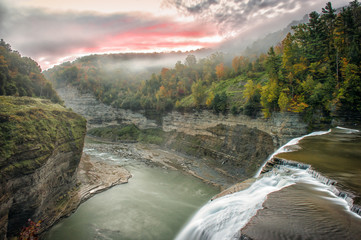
274	181
254	144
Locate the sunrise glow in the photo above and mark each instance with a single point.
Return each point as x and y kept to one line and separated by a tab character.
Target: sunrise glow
60	30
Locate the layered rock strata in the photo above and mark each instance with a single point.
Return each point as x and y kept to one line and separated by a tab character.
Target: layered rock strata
281	126
40	149
234	152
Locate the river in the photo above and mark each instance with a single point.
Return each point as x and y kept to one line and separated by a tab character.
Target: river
289	202
155	204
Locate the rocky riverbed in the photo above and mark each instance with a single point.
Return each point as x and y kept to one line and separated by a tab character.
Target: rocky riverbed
148	154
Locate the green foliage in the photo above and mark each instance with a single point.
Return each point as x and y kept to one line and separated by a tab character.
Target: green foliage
21	76
320	65
153	136
273	65
316	68
235	110
219	103
34	126
198	93
253	105
283	102
129	133
117	133
269	97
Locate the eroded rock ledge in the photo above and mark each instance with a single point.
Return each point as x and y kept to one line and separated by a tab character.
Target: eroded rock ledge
281	126
95	176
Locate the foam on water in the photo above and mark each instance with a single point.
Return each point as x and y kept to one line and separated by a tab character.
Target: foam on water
348	130
105	156
285	148
224	217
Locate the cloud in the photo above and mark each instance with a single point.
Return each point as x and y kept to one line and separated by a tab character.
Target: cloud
3	14
48	36
235	16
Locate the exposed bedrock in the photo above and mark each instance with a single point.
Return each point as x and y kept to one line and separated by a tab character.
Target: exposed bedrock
236	151
282	127
40	149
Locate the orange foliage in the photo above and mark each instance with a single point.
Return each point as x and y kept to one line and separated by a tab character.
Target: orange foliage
220	71
31	231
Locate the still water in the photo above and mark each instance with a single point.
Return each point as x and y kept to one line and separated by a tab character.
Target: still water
155	204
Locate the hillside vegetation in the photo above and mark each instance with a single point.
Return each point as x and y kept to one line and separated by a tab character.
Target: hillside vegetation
21	76
315	69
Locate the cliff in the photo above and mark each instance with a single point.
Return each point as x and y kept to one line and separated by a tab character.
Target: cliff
40	148
233	152
282	127
221	149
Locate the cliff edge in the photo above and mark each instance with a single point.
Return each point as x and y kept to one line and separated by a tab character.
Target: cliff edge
40	149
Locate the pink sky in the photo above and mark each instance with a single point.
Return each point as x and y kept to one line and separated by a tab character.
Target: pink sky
54	31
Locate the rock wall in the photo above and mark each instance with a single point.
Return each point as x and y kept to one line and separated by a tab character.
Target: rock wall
281	126
98	114
40	148
235	152
230	147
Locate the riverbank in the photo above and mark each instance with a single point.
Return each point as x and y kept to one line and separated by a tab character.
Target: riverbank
92	177
157	156
154	204
96	176
98	173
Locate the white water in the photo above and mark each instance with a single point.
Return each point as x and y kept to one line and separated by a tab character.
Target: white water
224	217
285	149
348	130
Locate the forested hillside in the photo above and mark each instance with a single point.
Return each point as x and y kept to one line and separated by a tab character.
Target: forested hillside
316	68
21	76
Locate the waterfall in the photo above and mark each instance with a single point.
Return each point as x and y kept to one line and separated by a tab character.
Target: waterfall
223	218
285	148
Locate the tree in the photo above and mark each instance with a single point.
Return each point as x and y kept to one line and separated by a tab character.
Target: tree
283	101
198	93
273	64
220	71
219	103
250	89
191	61
236	64
269	98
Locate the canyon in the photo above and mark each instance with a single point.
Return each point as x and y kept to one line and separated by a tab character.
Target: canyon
220	149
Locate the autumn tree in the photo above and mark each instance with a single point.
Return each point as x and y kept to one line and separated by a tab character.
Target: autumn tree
198	93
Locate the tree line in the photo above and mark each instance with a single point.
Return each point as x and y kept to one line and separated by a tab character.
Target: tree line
21	76
316	68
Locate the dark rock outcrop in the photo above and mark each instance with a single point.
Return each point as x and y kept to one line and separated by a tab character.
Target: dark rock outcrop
40	148
237	151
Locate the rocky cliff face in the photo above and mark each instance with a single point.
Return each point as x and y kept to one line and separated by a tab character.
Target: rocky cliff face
40	148
281	126
98	114
234	152
231	148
